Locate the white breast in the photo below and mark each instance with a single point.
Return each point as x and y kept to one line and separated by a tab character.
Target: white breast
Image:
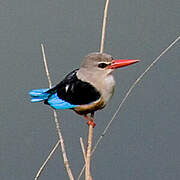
106	88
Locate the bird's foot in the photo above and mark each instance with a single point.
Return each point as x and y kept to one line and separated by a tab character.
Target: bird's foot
93	124
89	121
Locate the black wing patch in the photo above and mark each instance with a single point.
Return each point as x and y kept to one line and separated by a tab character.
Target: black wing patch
75	91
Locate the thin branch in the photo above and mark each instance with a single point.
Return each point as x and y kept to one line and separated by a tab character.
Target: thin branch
89	148
47	159
46	66
57	127
82	170
83	149
127	95
104	26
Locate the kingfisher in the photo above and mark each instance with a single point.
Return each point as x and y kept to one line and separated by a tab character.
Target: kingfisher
84	90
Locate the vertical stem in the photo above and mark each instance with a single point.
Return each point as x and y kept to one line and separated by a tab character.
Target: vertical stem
57	124
89	149
83	148
46	66
104	26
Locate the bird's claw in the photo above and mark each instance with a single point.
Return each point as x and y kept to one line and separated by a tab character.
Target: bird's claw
91	123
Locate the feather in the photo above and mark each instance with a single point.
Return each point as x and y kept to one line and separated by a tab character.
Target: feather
57	103
38	95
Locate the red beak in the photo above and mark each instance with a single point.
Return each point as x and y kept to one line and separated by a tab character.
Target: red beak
118	63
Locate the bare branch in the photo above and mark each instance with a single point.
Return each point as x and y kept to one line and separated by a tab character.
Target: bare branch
89	148
82	170
104	26
46	66
57	127
47	159
83	149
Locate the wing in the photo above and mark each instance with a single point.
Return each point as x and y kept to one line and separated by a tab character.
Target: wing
73	91
57	103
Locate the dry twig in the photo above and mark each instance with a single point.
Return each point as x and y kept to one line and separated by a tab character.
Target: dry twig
89	148
61	140
83	149
47	159
104	26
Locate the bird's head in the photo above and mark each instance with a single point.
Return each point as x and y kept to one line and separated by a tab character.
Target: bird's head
102	62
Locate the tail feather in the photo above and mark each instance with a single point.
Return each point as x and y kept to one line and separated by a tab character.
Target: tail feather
38	95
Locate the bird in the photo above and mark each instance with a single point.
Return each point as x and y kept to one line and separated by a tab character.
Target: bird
86	89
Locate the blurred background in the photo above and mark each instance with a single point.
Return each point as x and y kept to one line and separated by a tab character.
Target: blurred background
143	140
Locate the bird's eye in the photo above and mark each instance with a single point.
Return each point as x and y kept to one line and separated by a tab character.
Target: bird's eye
102	65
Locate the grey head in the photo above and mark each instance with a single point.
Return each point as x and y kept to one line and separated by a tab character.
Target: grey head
96	61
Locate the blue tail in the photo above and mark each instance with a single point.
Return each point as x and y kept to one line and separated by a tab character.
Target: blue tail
39	95
53	100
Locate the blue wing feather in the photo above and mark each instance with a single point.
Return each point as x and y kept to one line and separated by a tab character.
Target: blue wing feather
57	103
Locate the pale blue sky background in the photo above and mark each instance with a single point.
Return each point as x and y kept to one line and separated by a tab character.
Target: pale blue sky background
143	141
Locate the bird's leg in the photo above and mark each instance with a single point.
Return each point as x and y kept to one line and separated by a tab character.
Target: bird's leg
90	120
